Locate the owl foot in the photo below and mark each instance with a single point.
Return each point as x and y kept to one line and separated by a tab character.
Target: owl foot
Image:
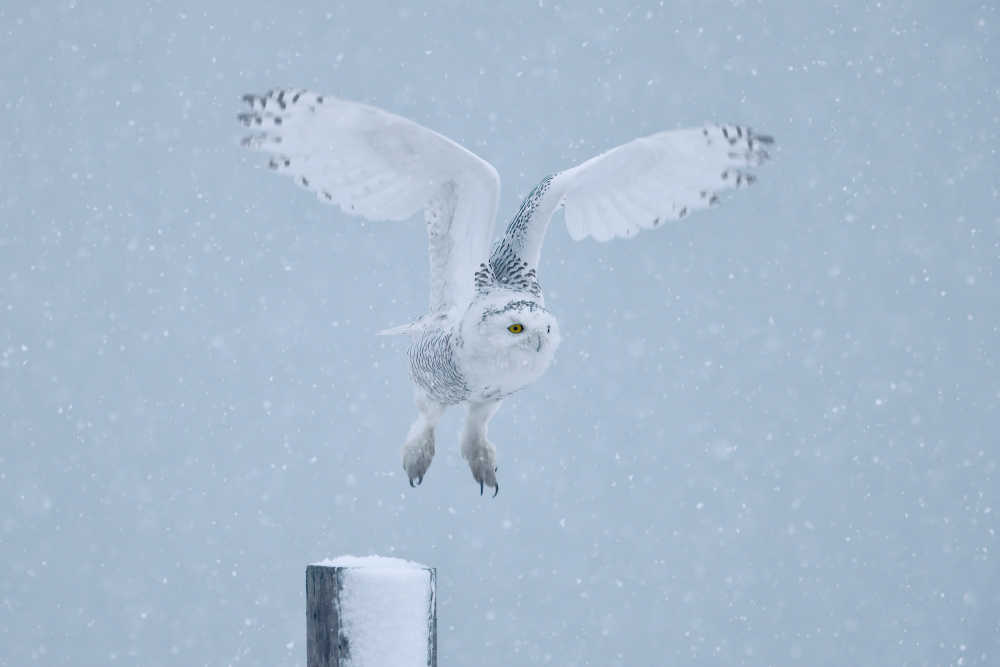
482	460
418	452
417	457
477	450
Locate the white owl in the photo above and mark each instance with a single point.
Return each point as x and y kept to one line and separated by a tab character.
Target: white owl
487	334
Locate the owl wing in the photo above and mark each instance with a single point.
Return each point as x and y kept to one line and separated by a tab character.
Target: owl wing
383	167
639	185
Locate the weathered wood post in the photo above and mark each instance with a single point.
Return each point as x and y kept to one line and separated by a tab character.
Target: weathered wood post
371	612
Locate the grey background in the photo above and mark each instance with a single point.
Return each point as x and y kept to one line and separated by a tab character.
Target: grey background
770	437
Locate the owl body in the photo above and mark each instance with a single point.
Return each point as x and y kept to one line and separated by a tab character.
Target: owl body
487	334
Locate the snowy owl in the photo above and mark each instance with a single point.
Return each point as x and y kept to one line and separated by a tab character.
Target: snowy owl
487	333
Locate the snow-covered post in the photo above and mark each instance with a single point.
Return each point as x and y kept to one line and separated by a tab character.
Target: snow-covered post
371	612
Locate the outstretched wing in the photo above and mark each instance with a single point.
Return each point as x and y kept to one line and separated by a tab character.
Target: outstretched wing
383	167
639	185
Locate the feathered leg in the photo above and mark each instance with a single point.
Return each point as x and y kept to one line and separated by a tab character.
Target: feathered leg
476	449
418	452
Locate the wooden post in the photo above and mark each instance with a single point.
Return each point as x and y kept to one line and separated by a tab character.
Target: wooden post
371	612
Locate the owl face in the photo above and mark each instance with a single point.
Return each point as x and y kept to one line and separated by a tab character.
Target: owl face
519	325
508	342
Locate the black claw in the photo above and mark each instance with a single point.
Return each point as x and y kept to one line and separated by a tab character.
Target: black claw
496	490
411	484
480	488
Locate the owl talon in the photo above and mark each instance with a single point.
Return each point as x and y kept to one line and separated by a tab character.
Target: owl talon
486	476
484	469
496	489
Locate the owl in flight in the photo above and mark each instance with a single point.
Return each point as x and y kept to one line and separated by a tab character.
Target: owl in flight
487	333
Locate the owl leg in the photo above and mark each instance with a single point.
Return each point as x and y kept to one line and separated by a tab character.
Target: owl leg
476	449
419	448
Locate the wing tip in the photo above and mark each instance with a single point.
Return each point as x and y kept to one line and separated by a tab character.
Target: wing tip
749	146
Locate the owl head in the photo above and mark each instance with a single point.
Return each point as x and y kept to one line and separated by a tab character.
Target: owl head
511	334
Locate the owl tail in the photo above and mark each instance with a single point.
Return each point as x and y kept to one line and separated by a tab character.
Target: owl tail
413	329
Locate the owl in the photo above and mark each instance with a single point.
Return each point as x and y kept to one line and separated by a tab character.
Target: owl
487	333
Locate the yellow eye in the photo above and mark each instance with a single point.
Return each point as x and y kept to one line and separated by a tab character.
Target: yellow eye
515	328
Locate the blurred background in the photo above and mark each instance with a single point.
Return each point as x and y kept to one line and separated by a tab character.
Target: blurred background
771	433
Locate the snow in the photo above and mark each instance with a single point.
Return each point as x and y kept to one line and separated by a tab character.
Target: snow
370	562
384	610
